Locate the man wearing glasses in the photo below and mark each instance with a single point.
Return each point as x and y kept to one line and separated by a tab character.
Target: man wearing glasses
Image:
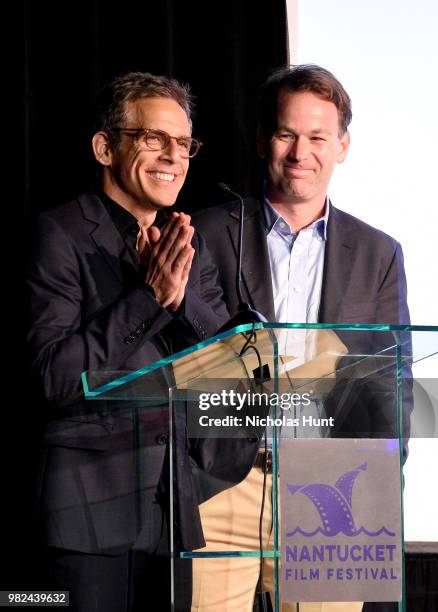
115	283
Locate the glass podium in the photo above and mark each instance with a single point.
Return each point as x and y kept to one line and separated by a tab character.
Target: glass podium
281	449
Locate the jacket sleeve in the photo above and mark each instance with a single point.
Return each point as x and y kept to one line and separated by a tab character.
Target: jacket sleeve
64	341
392	306
204	308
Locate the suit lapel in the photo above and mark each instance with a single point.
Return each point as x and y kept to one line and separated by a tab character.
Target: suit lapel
338	265
105	235
256	272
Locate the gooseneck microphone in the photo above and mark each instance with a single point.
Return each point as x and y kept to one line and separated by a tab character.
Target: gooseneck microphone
244	314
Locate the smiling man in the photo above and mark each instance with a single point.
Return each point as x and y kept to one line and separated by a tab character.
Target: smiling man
303	261
307	143
116	282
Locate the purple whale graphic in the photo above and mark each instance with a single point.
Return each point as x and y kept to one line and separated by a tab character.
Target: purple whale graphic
333	503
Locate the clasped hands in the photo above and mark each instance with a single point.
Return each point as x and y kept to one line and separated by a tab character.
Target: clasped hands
168	257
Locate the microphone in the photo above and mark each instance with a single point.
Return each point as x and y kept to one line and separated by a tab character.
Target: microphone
244	314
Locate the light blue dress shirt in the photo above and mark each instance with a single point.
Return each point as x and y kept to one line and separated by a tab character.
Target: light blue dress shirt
297	263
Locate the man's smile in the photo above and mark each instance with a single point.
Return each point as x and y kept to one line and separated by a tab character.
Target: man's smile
162	176
295	172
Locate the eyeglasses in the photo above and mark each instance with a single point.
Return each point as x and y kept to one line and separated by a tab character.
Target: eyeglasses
157	140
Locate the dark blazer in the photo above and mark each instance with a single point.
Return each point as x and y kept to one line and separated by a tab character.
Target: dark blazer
363	282
102	460
363	279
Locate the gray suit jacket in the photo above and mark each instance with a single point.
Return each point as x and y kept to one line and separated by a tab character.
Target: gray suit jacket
363	282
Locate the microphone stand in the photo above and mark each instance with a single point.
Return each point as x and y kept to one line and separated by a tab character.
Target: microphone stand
245	313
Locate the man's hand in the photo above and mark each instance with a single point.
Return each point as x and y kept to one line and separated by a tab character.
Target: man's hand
170	260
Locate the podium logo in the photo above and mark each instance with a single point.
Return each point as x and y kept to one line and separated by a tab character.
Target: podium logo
334	506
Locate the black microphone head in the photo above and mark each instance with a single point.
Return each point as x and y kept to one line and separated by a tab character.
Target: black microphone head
224	187
245	314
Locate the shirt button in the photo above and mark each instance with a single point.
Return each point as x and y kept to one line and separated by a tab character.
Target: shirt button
297	288
162	439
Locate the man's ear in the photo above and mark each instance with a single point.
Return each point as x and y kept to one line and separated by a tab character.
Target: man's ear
261	143
344	143
101	148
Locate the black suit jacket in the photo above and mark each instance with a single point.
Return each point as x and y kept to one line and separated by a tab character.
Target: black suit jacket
102	460
363	282
363	279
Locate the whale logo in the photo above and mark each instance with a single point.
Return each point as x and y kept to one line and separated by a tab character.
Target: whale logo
334	506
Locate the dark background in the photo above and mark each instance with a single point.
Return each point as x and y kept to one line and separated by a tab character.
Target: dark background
71	49
60	54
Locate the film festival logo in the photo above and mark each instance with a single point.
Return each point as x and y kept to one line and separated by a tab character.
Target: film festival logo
334	506
370	555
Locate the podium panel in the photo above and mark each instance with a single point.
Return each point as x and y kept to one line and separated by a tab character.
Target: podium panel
281	461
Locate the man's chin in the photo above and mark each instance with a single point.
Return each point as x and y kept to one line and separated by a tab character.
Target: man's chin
297	194
164	198
162	204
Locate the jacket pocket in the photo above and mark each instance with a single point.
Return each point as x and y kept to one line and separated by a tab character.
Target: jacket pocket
78	434
358	312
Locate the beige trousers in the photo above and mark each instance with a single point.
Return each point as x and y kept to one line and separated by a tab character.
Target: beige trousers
230	522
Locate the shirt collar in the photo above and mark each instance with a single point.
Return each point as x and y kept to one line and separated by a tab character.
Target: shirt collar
122	218
124	221
273	218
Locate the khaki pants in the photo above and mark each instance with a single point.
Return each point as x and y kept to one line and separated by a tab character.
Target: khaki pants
230	522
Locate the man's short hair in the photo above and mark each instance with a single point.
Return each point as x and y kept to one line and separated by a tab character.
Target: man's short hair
304	77
112	99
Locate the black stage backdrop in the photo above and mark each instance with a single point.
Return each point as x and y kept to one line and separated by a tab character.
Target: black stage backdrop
62	53
224	50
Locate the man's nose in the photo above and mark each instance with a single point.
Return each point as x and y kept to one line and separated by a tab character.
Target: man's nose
300	148
171	151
